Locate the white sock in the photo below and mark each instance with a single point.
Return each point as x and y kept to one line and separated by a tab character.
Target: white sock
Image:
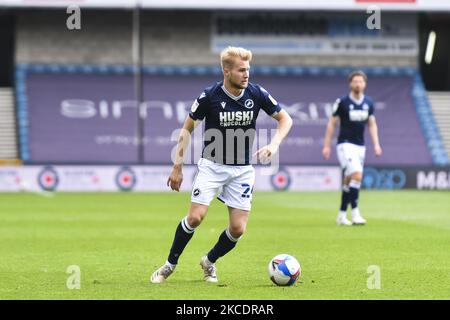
186	227
342	214
355	212
207	261
354	184
172	266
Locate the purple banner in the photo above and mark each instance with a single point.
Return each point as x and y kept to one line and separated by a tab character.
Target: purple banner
92	118
74	118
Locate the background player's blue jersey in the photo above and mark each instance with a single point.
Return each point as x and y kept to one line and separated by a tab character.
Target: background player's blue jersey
232	117
353	117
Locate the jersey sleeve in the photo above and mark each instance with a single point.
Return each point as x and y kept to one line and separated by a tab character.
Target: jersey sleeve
337	108
199	107
269	104
371	109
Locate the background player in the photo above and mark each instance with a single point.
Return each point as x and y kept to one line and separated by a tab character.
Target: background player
353	111
230	109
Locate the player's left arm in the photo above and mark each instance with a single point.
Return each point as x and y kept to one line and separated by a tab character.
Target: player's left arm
283	127
373	132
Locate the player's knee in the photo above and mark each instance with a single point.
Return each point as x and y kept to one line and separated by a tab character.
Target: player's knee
196	215
195	220
357	176
237	230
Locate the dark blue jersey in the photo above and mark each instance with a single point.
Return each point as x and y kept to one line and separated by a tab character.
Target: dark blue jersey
353	117
230	121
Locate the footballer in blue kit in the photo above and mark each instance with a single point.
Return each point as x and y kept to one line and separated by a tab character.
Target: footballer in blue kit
230	109
228	115
353	112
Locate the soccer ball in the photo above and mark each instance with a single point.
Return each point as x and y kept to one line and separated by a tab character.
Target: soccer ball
284	270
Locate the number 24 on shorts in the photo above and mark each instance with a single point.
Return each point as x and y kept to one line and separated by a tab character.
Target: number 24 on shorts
248	190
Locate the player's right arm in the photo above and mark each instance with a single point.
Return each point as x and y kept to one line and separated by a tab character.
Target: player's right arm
326	151
192	120
176	177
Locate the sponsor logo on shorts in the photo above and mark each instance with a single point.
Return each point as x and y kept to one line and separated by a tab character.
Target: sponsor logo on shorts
196	192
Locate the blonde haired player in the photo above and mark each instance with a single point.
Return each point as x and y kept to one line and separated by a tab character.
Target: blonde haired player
353	112
229	109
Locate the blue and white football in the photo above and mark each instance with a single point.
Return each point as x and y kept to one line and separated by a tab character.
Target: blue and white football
284	270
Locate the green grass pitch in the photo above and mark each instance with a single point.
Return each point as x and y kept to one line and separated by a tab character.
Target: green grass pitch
118	240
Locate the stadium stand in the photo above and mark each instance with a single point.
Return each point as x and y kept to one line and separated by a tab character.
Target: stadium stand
101	54
47	103
440	104
169	44
42	37
8	134
105	38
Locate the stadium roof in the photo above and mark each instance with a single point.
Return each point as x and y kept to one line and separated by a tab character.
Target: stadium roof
394	5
